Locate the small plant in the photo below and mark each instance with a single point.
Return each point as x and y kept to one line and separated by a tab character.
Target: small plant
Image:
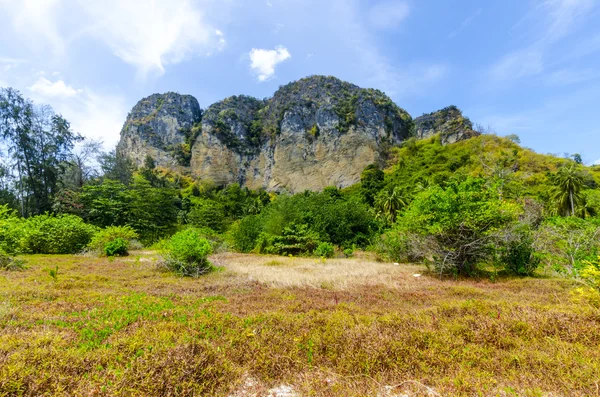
349	252
117	247
9	263
186	254
519	257
324	250
104	237
53	273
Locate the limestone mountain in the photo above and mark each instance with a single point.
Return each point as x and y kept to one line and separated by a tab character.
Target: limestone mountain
315	132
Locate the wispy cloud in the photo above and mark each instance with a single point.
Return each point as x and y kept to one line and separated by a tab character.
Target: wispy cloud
548	22
263	62
388	14
572	76
397	79
466	23
519	64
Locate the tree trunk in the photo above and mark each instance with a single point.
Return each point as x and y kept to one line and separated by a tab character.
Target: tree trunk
572	204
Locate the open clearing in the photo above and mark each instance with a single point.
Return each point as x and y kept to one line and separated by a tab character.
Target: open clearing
289	327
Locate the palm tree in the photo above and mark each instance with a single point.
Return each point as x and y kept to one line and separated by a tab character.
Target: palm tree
389	202
568	183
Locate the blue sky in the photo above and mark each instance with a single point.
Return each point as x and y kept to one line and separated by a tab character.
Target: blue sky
528	67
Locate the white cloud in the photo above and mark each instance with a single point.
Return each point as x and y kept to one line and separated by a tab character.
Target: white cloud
35	20
388	14
148	34
93	115
518	64
45	88
263	62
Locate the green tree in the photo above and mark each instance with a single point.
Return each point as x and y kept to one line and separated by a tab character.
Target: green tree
458	223
389	202
39	142
568	183
371	182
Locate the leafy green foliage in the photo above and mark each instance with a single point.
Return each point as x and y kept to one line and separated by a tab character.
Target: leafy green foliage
39	143
459	222
150	211
348	252
116	247
517	254
371	182
310	217
109	234
186	254
207	213
11	264
63	234
568	181
324	250
565	244
294	240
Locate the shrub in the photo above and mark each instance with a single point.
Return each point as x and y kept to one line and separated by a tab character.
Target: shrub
64	234
517	253
105	236
565	243
207	213
186	254
458	224
12	229
348	252
9	263
245	232
117	247
295	240
324	250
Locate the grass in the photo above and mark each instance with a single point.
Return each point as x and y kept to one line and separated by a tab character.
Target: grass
264	325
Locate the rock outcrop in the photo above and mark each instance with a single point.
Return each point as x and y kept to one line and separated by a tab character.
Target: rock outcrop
448	122
158	126
313	133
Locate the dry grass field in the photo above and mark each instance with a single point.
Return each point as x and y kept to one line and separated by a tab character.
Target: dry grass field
275	326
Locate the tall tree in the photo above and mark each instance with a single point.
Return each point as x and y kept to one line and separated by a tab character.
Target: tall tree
389	202
568	183
38	143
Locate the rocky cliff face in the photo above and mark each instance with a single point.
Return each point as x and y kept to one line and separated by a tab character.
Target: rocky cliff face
159	126
448	122
312	133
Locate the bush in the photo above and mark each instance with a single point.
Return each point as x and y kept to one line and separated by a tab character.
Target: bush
348	252
457	225
12	229
187	253
64	234
9	263
324	250
566	244
245	232
117	247
518	255
295	240
207	213
105	236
